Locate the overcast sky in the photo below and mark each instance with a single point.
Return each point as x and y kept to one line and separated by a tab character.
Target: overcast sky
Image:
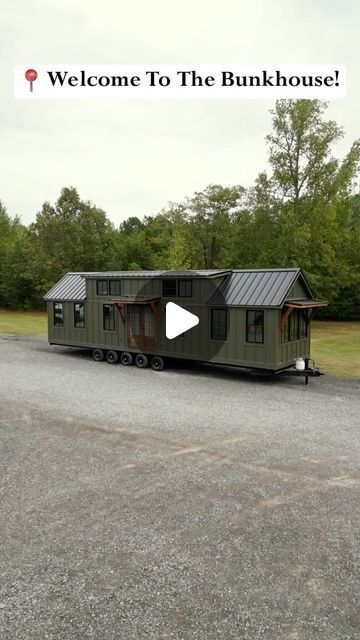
132	157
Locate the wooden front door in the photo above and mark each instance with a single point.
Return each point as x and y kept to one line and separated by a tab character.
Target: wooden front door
141	326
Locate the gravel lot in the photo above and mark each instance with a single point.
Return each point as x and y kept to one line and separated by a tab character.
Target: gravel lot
191	504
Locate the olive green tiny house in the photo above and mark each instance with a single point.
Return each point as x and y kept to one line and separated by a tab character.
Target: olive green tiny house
253	318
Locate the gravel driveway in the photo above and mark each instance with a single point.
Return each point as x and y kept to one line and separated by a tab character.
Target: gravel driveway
196	503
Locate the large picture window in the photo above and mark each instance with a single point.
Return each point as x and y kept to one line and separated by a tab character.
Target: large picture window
218	324
58	314
108	317
255	327
79	315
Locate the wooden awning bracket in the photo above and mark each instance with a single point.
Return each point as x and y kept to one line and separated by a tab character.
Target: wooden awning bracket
286	312
312	313
121	311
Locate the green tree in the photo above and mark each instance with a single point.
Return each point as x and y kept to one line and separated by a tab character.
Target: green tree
305	209
15	290
72	235
203	235
5	236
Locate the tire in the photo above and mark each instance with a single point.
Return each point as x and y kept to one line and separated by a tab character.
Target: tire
141	360
98	355
126	359
112	357
157	363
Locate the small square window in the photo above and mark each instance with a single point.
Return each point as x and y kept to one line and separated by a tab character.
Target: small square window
108	317
185	288
255	327
102	287
169	288
79	315
218	328
58	314
114	287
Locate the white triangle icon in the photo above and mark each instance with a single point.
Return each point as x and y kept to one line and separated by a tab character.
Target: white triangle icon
178	320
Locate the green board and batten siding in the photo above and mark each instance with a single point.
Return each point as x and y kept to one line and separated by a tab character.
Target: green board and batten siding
209	292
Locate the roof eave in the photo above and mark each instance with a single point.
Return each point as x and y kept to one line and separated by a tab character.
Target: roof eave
63	299
297	273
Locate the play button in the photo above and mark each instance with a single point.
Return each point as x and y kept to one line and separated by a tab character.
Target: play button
178	320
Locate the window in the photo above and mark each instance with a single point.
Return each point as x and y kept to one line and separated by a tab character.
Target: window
302	324
173	288
58	314
114	287
148	322
79	315
108	287
285	331
255	327
218	328
134	312
108	317
185	288
102	287
169	288
295	327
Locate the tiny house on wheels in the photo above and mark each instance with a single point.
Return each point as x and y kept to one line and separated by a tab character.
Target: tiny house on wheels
259	319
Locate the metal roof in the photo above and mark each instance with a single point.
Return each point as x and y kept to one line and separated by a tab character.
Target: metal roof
167	273
240	287
71	287
255	287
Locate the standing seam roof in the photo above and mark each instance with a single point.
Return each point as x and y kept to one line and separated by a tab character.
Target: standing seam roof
71	287
241	287
257	287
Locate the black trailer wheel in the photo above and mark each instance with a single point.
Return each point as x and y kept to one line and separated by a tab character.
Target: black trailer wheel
98	355
157	363
141	360
126	359
112	357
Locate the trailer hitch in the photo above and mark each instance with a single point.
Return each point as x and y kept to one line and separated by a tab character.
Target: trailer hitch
305	373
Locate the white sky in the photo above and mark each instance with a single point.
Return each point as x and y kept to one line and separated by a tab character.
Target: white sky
132	157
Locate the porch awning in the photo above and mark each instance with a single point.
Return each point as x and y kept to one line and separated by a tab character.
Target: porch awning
306	303
135	299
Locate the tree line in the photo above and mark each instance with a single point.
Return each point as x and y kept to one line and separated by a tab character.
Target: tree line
304	211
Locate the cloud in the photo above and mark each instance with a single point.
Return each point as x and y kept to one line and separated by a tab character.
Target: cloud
132	157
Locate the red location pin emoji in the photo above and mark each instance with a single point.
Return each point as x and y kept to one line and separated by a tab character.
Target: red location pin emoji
31	76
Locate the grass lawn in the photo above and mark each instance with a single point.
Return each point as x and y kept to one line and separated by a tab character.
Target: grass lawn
25	323
335	347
